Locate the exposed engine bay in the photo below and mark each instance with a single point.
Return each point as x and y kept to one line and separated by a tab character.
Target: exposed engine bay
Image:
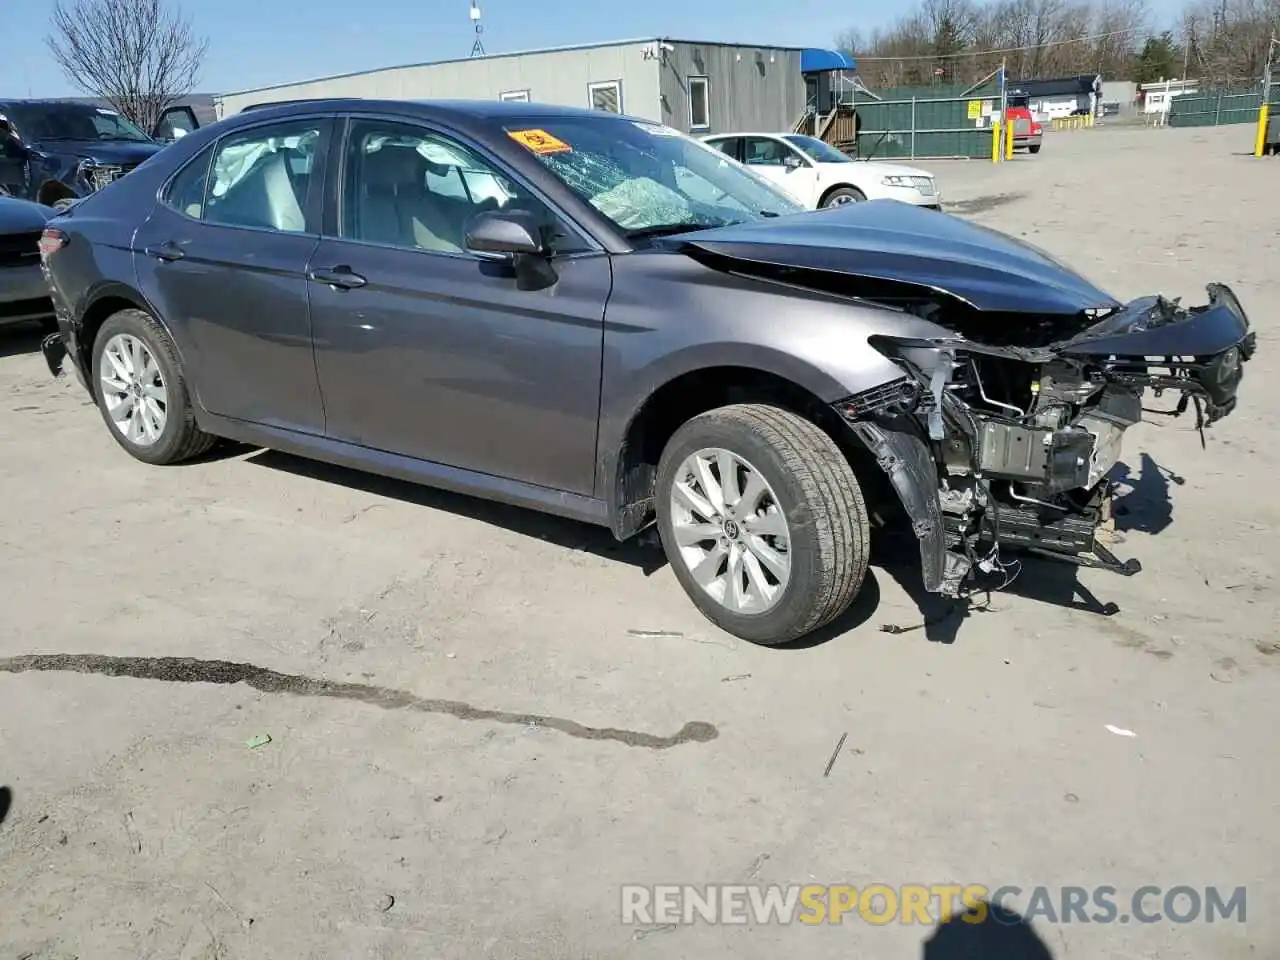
1018	436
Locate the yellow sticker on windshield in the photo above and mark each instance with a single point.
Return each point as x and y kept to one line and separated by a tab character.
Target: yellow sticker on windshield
539	141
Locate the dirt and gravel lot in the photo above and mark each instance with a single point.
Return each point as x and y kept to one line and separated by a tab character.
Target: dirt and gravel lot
483	722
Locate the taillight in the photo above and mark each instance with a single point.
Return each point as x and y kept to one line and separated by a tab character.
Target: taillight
51	241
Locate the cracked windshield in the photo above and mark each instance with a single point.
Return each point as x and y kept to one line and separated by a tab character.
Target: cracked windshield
649	179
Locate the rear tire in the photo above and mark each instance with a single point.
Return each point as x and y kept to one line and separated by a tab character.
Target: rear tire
809	483
144	374
842	195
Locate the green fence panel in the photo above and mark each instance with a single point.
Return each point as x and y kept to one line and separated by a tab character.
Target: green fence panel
943	120
1215	108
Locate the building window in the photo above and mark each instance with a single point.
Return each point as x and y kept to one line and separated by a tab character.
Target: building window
699	103
515	96
606	96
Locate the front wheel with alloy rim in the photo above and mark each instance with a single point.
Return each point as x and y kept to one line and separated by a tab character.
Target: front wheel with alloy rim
762	521
842	195
142	392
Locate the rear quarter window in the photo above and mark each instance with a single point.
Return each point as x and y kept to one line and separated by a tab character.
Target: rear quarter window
186	191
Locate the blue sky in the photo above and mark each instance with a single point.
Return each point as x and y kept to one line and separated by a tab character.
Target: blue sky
255	43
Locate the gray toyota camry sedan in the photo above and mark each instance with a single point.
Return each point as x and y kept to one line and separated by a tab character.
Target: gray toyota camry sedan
598	317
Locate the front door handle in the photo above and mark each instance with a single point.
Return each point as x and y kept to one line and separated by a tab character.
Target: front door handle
340	277
167	251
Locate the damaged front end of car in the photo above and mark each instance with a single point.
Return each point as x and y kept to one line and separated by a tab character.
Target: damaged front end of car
1005	444
1017	388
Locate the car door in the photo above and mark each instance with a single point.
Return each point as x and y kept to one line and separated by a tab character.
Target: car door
429	351
223	258
783	164
175	123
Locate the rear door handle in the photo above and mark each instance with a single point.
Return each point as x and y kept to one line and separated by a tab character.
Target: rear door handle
167	251
340	277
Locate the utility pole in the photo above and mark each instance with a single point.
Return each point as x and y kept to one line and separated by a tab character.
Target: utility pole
477	48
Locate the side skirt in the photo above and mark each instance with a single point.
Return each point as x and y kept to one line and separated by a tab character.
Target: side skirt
424	472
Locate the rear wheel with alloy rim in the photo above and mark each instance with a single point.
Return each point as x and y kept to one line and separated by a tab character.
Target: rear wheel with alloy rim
142	392
762	520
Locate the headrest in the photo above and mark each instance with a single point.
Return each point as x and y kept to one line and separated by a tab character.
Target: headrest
393	166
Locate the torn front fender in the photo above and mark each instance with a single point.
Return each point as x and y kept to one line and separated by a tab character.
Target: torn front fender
905	458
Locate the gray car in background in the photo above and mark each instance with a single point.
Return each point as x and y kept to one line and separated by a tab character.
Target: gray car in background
24	295
598	317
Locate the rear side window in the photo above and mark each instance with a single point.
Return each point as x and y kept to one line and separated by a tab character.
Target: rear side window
261	178
186	190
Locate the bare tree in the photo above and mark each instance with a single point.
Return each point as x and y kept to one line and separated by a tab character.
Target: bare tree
138	55
1032	38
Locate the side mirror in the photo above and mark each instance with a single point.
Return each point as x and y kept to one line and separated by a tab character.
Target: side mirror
512	233
514	237
792	162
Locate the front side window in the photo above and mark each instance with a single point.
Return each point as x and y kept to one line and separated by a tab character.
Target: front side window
262	178
606	96
649	179
699	103
410	187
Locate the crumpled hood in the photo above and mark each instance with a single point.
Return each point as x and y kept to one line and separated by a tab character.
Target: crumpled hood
104	151
23	216
889	240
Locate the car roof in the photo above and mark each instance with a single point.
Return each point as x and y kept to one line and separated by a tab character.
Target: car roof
45	101
457	110
750	133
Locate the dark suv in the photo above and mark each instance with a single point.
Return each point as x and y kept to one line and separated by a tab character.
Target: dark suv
58	151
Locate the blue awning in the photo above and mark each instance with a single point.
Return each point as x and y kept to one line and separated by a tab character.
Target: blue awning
815	61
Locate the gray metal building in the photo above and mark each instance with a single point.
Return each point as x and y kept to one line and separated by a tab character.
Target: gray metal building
697	87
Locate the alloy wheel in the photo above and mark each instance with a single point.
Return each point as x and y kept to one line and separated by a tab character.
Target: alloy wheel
133	390
730	531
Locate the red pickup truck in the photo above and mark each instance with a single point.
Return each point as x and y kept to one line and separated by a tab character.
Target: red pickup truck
1026	129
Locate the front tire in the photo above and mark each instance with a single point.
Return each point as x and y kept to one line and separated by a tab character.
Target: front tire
842	195
1034	148
763	522
142	393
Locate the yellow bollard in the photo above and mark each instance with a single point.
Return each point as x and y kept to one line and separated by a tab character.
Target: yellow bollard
1008	142
995	141
1260	139
1088	119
